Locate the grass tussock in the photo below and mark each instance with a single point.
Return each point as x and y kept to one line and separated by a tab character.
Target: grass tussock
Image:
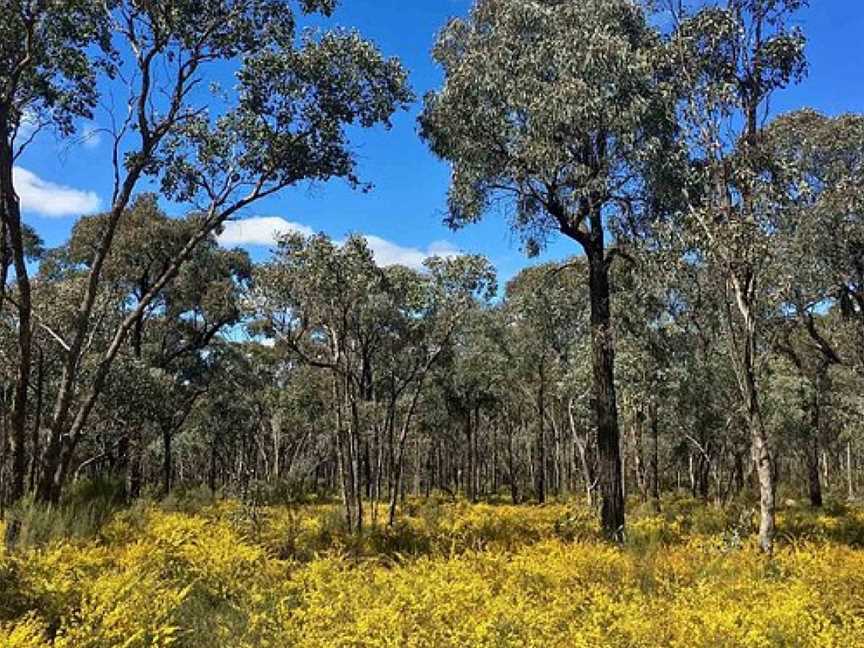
449	574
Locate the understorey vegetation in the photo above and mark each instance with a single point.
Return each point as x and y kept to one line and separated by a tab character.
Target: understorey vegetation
654	439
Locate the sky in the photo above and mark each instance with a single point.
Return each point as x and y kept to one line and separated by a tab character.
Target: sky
402	216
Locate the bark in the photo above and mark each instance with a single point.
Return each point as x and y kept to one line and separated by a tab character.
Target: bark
587	229
135	479
166	460
638	461
541	437
605	406
37	422
10	211
343	462
400	451
511	467
276	431
354	446
469	436
813	451
654	462
761	452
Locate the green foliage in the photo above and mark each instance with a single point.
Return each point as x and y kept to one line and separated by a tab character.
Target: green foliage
546	105
85	508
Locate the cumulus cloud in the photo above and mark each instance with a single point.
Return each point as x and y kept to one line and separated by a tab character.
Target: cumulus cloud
261	230
265	230
388	253
50	199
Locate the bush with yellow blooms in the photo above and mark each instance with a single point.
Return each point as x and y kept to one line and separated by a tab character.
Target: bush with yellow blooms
448	574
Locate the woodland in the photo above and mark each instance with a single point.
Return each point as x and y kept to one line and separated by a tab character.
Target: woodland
655	441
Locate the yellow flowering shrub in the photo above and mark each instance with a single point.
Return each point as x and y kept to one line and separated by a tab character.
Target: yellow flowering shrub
449	574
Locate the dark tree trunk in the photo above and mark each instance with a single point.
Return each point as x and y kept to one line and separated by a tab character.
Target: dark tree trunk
135	479
11	216
166	461
605	407
813	451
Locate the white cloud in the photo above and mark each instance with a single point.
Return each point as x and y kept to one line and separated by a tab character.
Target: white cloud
50	199
265	230
388	253
262	230
27	126
91	138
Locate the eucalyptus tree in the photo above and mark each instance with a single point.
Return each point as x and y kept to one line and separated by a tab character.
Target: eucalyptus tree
823	228
477	376
548	306
218	153
377	331
169	337
552	109
234	437
809	371
11	369
650	344
731	58
47	78
445	297
823	256
315	298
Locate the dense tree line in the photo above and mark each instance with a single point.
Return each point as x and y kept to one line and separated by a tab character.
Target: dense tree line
709	337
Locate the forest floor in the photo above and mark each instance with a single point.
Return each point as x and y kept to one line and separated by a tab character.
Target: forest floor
193	574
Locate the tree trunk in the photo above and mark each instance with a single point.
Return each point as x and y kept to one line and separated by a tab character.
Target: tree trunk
541	437
511	467
763	461
166	461
342	461
400	452
276	431
813	451
10	211
135	479
638	462
211	473
582	450
469	435
37	422
605	407
654	464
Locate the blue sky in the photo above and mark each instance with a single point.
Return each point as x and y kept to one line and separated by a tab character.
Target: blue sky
403	214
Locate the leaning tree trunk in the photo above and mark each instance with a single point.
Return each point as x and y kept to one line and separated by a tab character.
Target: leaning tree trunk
400	451
605	407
